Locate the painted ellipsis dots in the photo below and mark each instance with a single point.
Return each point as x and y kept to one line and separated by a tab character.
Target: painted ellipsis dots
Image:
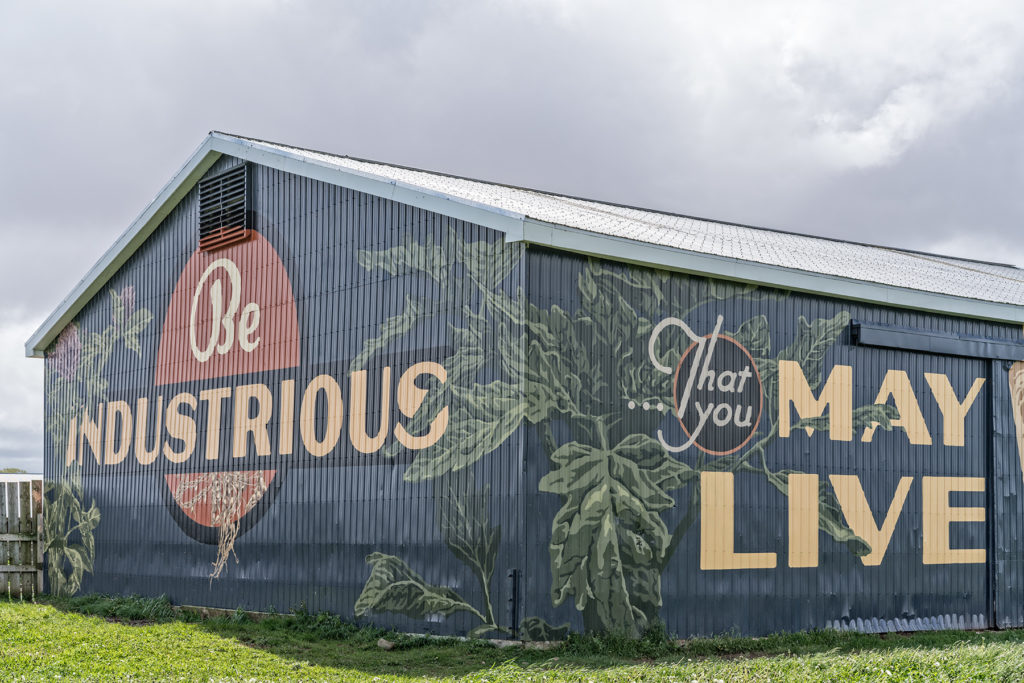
222	313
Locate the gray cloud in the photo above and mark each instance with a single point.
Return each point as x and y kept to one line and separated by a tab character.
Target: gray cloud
894	123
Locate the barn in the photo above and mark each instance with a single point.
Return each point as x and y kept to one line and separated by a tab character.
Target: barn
452	406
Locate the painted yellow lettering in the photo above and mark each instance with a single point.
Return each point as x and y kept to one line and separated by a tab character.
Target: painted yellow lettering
245	423
803	520
938	515
334	415
954	411
861	519
718	530
181	427
213	398
287	418
897	385
144	455
71	453
119	432
90	434
837	394
411	397
362	441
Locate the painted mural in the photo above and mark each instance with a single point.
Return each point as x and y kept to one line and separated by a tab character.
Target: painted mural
75	383
609	543
430	428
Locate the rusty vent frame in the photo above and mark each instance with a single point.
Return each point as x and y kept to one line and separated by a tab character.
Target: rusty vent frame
224	209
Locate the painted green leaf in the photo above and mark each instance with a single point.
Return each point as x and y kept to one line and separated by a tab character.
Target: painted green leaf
410	257
863	417
483	418
417	309
139	321
465	525
483	629
536	629
487	264
753	335
604	494
117	309
725	289
830	515
394	587
813	340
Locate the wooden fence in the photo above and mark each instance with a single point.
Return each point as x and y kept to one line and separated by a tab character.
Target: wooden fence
21	533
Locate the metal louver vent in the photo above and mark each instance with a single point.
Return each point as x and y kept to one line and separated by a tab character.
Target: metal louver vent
224	209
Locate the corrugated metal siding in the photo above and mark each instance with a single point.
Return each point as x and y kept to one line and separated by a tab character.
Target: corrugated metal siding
499	317
902	593
310	546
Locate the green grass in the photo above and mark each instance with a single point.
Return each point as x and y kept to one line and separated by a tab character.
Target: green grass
97	637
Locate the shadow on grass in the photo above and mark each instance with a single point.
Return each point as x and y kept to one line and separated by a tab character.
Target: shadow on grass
327	640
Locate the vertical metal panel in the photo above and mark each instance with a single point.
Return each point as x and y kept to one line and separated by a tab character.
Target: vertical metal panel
901	593
509	324
310	544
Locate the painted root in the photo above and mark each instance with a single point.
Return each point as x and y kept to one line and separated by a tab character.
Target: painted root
230	496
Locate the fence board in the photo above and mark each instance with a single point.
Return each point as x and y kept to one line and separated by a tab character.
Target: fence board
21	561
37	508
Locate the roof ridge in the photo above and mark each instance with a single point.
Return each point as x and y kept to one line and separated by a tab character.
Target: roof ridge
575	198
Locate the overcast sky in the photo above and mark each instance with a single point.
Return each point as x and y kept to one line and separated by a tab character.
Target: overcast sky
893	123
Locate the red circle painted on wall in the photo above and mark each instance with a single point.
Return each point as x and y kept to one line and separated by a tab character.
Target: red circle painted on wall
725	400
232	312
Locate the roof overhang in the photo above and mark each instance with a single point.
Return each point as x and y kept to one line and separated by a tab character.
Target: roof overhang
516	227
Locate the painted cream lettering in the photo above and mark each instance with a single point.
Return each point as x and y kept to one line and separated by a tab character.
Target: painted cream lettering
410	399
180	426
321	446
119	432
245	423
837	395
954	411
145	455
861	519
718	529
361	441
803	519
897	385
90	434
938	515
213	398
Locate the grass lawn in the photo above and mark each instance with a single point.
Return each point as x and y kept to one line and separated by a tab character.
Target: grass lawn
102	638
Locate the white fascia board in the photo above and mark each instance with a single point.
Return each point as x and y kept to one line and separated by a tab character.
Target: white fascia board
122	249
516	227
493	217
670	258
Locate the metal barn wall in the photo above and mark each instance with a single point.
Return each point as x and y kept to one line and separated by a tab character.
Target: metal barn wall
350	282
534	473
628	538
